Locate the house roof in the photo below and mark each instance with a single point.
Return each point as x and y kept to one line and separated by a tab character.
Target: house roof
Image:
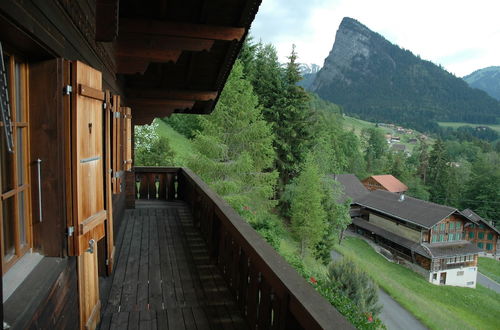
476	218
389	182
398	147
433	250
351	186
416	211
451	249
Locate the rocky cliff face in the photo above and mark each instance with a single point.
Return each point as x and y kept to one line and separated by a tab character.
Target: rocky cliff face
352	43
379	81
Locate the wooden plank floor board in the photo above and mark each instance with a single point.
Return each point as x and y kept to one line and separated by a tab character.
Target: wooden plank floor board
164	278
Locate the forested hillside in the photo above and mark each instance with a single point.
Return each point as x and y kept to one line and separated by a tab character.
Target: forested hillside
380	82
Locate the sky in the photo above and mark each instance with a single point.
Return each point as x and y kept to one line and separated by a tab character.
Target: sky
461	35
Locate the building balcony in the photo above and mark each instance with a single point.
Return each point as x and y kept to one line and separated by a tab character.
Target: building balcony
186	259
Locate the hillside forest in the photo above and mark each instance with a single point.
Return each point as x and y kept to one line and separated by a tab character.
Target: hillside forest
269	148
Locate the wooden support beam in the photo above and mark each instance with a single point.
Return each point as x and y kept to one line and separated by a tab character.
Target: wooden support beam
106	17
129	65
150	55
142	103
128	41
187	95
200	31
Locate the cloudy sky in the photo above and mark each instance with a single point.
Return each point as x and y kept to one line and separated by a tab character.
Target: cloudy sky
461	35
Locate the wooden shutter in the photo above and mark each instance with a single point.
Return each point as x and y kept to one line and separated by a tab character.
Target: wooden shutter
87	166
127	141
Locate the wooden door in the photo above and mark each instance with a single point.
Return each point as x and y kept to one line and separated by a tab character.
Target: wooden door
88	210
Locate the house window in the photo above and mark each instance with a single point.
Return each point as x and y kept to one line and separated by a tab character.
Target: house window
434	238
450	237
458	225
452	225
443	226
460	273
490	236
470	283
458	236
489	246
480	235
471	234
434	276
480	245
14	177
441	238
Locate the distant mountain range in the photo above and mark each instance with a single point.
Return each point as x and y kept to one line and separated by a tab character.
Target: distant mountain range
487	79
308	72
380	82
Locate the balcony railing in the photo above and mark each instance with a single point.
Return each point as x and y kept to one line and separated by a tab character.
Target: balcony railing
269	292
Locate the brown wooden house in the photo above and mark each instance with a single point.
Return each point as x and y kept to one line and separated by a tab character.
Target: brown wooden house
482	233
429	236
79	75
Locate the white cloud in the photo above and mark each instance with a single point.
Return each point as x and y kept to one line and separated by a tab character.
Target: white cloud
461	35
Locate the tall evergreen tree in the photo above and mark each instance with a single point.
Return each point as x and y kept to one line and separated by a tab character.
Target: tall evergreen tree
306	210
235	147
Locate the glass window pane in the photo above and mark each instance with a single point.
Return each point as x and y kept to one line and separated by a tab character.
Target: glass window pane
21	204
20	155
6	162
8	228
18	92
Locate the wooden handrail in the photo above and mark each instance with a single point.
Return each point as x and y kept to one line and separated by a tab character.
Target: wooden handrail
271	294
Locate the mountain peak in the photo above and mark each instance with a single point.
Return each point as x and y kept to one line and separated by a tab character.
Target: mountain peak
379	81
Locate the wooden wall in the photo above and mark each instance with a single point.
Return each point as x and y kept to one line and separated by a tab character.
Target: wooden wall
395	227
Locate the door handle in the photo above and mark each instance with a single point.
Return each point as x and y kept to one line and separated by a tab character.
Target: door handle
91	246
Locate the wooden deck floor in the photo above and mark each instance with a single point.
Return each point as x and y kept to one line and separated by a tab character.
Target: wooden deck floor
163	277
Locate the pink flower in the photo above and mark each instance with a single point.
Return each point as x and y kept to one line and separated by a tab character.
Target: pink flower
313	280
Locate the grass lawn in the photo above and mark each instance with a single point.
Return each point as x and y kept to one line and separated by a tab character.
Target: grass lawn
490	268
357	124
457	124
438	307
181	146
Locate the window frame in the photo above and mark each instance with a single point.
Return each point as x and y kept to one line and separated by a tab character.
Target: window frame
19	190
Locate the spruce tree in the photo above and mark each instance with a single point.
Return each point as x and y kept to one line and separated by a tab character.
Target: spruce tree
235	148
306	211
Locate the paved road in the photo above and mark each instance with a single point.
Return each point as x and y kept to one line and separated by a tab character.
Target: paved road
393	315
485	281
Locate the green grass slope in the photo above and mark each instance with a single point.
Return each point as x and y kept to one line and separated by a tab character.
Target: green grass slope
438	307
181	145
458	124
490	267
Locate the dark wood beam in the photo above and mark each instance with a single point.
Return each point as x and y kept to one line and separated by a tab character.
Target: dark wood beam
128	41
129	65
151	55
106	17
200	31
143	104
188	95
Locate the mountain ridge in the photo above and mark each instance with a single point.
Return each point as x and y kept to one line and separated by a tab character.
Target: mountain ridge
486	79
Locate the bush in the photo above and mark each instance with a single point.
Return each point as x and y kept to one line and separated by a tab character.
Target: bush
355	284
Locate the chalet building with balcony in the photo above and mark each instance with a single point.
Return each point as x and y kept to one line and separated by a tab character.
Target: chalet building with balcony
385	182
351	189
88	240
482	233
431	238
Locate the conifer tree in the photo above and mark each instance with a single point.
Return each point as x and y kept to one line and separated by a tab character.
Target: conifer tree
306	211
235	148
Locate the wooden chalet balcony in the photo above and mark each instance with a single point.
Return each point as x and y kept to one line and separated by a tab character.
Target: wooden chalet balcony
199	265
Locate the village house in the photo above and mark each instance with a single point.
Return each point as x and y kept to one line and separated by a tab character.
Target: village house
398	148
91	241
384	182
482	233
431	238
